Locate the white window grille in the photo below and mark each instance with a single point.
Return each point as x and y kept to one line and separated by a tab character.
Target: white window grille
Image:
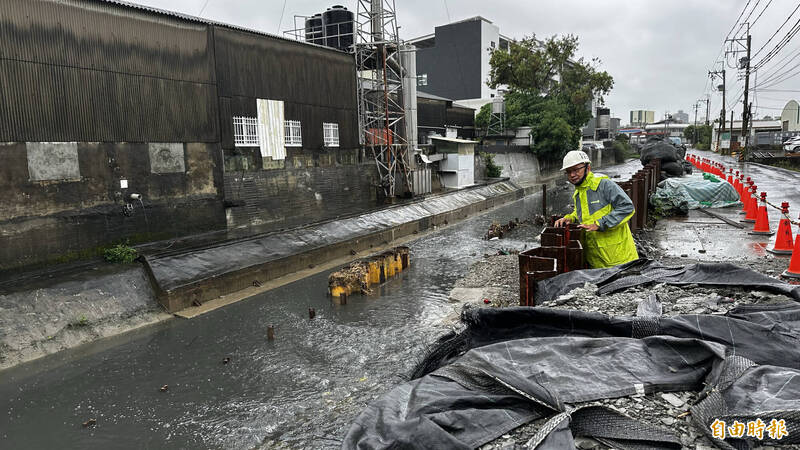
292	133
422	79
330	134
245	132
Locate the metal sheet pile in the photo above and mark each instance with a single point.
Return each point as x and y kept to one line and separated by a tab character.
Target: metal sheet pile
561	249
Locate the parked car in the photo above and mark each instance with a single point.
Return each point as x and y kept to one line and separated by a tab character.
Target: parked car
792	145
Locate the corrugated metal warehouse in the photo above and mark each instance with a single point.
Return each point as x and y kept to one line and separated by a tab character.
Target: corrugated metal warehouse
103	99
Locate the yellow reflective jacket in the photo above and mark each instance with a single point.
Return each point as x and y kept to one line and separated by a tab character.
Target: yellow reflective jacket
598	200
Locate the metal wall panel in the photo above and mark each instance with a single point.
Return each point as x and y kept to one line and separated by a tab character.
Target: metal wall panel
317	85
255	66
431	113
51	103
95	71
103	36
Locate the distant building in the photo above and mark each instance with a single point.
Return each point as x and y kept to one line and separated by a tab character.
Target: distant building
453	62
641	117
790	116
680	117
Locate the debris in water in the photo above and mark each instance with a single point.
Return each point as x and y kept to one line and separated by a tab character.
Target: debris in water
270	332
164	388
89	423
361	274
226	360
486	301
312	313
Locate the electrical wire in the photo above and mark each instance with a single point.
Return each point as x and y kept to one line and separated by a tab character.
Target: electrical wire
780	45
725	40
200	14
760	14
281	21
751	12
776	31
787	59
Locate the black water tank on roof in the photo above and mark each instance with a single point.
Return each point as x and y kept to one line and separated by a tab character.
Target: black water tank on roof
338	22
315	31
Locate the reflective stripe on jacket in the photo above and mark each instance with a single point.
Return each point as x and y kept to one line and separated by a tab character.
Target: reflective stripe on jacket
598	200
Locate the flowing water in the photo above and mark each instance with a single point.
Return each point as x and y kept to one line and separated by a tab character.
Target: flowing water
301	390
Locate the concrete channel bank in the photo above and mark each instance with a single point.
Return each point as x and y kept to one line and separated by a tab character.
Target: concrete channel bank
42	314
49	315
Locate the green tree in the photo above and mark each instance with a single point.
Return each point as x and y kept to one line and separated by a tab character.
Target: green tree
549	90
483	116
703	136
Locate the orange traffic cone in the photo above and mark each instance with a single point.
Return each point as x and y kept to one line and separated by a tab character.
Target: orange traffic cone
737	183
794	264
730	176
783	240
745	198
761	226
752	208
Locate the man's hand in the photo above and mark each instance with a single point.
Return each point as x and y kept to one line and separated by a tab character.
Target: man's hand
562	222
590	227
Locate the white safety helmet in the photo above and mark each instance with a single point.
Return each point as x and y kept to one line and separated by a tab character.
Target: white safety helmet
574	158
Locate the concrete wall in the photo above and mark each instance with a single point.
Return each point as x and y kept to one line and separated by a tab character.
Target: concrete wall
61	201
309	187
523	167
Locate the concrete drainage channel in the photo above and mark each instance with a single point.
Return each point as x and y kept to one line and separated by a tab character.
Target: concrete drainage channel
199	278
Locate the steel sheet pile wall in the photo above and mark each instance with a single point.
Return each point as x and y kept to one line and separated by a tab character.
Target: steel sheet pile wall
561	249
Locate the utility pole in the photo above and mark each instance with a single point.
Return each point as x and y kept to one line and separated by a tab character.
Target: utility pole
722	121
746	112
695	125
722	112
744	64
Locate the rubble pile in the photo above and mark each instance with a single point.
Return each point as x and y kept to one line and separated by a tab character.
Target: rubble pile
498	230
667	409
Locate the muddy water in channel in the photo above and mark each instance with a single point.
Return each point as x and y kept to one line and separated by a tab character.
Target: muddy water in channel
301	390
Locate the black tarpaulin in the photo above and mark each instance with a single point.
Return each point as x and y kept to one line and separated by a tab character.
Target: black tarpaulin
643	271
510	366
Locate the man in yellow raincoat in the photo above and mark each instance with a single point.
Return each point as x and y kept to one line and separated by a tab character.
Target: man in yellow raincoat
603	209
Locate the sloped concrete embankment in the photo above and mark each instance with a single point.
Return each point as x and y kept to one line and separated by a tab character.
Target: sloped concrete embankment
195	277
55	314
41	320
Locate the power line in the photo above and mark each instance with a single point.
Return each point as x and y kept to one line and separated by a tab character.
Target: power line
447	10
760	14
751	12
281	21
780	45
203	8
776	31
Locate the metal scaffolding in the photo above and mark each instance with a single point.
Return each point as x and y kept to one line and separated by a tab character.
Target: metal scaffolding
379	82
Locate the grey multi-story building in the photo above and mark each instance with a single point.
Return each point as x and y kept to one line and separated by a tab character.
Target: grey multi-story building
453	61
681	117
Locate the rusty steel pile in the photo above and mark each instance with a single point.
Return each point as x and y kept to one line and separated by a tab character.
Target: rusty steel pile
361	274
561	249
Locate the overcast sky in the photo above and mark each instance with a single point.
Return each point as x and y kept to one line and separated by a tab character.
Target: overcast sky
658	52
